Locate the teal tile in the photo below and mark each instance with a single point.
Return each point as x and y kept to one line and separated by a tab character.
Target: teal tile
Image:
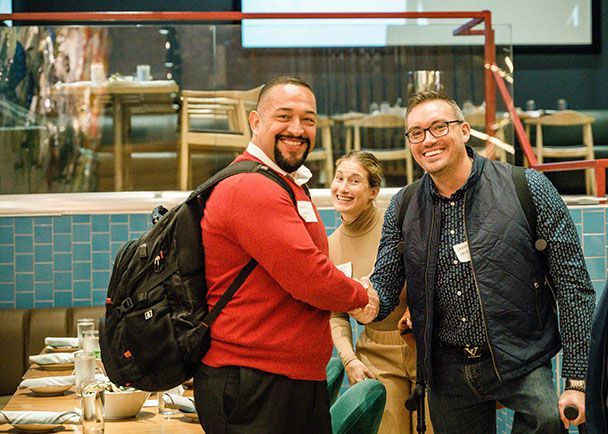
576	214
24	300
24	282
101	280
43	253
62	225
42	304
101	242
62	298
24	263
7	234
101	261
139	222
24	244
98	297
7	254
24	225
7	305
114	248
82	271
43	221
119	218
596	268
62	243
579	231
82	218
594	245
328	216
119	232
43	234
7	292
81	303
7	221
7	273
82	290
593	222
43	272
81	232
62	262
62	280
100	223
43	291
81	252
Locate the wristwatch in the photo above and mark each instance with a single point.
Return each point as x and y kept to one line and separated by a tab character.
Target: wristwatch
575	384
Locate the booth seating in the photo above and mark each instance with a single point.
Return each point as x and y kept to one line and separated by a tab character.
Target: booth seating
23	332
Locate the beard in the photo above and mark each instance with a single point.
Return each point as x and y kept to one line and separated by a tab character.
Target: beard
282	162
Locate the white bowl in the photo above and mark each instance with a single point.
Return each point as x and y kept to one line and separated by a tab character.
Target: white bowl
123	405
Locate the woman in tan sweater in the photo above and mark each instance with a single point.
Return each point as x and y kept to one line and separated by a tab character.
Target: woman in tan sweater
381	352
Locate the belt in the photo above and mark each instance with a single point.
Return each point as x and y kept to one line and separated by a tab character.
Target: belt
468	351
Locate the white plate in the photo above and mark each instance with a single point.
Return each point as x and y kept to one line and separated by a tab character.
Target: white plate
37	427
56	366
50	390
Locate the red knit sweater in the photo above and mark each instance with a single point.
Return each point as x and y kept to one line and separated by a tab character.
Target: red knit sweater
278	321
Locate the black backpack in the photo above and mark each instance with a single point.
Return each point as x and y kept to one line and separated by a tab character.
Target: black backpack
155	330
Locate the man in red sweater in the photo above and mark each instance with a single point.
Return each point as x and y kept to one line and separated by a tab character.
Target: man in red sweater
265	369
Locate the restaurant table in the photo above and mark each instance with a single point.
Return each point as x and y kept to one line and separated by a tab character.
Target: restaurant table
123	95
147	421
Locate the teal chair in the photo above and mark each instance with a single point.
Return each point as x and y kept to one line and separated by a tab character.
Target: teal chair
335	376
359	409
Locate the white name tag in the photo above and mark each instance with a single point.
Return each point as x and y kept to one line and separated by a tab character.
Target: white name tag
346	268
306	211
462	252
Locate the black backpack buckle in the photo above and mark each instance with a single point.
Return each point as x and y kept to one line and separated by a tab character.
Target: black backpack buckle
126	305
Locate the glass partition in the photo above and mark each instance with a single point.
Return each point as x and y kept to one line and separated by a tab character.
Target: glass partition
81	111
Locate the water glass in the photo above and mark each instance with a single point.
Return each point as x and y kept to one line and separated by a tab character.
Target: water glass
82	325
84	368
143	73
162	405
92	407
90	342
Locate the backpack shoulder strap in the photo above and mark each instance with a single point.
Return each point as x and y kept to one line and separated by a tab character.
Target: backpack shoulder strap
525	196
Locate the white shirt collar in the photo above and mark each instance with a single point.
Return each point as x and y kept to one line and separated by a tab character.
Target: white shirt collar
300	176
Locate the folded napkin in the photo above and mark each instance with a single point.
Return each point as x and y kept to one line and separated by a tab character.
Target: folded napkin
182	403
62	380
61	342
45	359
42	417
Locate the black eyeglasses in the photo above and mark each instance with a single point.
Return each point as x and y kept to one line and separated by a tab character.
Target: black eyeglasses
438	129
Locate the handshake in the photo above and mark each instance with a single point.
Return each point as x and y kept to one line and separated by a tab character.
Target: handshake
367	314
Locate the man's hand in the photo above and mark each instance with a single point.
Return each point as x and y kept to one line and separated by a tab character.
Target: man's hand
405	328
575	398
370	311
356	371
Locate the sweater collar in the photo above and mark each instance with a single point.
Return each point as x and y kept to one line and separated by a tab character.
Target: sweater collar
362	224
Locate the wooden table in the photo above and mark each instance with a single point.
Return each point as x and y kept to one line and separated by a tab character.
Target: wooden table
147	421
123	95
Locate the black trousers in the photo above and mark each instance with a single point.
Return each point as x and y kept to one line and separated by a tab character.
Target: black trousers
235	399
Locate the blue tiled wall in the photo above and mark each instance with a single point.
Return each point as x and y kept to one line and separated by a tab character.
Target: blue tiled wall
67	260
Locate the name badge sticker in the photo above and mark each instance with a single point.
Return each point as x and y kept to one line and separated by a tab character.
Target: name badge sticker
306	211
462	252
346	268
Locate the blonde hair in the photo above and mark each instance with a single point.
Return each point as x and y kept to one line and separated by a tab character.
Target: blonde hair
369	162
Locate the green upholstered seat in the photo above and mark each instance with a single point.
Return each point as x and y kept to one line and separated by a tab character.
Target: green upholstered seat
359	409
335	376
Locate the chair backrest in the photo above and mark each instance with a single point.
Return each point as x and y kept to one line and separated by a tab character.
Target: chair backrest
359	409
555	136
335	376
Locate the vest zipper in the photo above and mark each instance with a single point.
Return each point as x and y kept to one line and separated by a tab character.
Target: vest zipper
483	315
428	297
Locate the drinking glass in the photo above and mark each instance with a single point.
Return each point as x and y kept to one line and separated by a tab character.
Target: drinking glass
162	405
92	407
84	368
83	324
90	342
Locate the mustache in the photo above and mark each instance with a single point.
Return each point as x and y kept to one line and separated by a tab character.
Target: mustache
286	136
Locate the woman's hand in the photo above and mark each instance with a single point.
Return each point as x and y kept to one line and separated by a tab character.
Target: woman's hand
356	371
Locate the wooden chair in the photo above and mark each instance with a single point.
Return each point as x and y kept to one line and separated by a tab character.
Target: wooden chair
559	149
477	120
382	151
324	150
213	122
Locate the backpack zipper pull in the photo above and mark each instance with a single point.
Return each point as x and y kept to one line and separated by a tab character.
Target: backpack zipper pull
157	260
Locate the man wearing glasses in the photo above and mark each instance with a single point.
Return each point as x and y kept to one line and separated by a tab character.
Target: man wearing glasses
483	286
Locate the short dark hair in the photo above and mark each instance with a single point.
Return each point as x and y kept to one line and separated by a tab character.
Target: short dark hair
284	79
430	95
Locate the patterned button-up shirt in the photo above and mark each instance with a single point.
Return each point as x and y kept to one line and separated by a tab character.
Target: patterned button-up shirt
458	318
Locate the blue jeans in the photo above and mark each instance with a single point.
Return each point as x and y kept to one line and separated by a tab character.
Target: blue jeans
463	396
